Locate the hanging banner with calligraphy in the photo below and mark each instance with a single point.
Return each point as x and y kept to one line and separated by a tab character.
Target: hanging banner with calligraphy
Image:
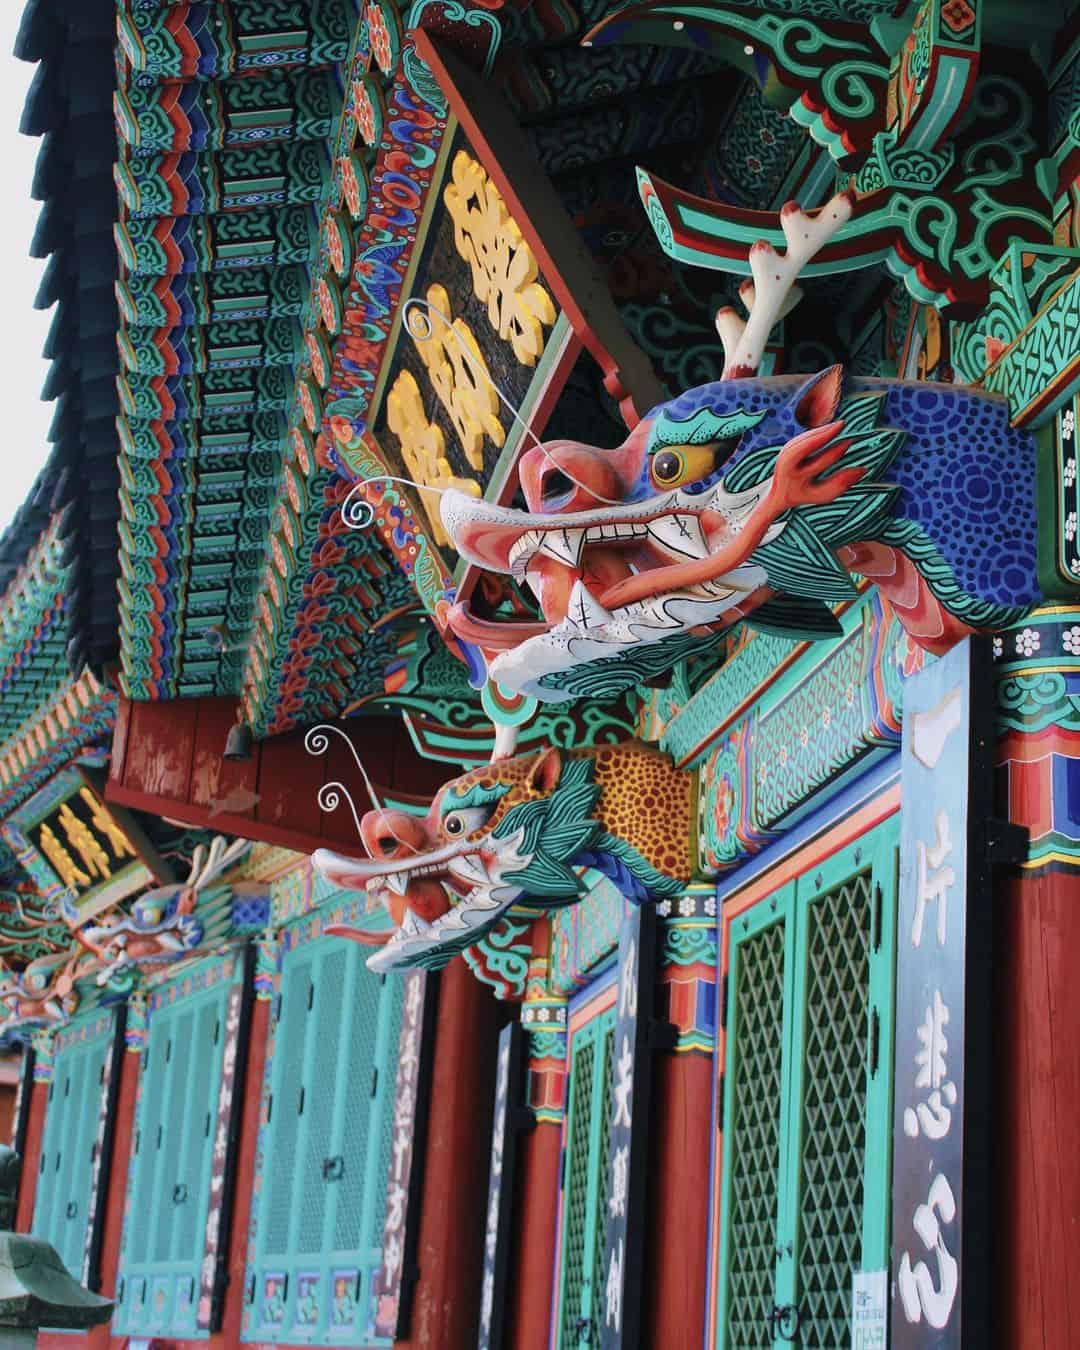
214	1270
625	1189
101	1153
942	1232
510	1116
393	1282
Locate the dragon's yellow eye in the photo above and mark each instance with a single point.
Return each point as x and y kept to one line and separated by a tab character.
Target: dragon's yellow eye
677	464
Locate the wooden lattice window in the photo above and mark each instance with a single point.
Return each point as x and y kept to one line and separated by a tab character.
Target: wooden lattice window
317	1227
807	1100
581	1252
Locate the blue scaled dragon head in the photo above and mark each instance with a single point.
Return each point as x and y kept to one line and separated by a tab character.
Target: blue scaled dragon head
761	499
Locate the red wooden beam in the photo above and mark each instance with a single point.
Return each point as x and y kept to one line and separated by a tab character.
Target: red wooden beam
168	760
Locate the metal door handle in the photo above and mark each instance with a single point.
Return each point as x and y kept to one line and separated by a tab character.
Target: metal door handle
72	1209
784	1321
179	1193
333	1169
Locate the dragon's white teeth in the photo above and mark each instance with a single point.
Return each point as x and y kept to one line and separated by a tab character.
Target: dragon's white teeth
398	882
482	900
413	926
525	543
563	545
452	919
584	610
679	534
468	867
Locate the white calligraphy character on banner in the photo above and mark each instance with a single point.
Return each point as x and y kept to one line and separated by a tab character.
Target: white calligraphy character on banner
628	983
933	1115
624	1085
921	1297
620	1177
934	880
613	1314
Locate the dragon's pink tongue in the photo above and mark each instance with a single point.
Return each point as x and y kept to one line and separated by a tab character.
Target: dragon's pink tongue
551	581
426	899
490	635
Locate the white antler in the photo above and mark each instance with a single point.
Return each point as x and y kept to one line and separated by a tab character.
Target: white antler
219	860
773	293
505	741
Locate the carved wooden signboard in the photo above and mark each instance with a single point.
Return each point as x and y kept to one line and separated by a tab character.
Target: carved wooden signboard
941	1227
474	332
626	1182
393	1281
79	851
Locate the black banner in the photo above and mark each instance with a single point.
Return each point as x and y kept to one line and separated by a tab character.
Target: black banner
941	1286
393	1282
625	1185
510	1116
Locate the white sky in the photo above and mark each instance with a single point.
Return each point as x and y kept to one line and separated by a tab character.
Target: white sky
22	328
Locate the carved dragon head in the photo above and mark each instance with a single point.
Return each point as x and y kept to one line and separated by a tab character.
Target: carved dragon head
163	924
517	834
756	498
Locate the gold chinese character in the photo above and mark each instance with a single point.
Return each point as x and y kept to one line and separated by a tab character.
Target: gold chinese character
85	843
423	446
504	270
105	824
64	865
459	374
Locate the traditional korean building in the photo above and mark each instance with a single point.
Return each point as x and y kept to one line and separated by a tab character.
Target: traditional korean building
539	676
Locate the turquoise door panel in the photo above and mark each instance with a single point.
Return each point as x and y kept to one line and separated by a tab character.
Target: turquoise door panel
584	1171
63	1196
807	1100
328	1097
169	1188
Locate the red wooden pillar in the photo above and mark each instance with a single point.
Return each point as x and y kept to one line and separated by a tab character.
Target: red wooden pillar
1036	944
534	1259
113	1222
446	1300
532	1262
679	1201
677	1243
35	1126
1038	1201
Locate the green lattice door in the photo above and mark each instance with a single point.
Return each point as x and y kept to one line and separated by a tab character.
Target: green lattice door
318	1222
69	1145
807	1101
584	1171
172	1154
